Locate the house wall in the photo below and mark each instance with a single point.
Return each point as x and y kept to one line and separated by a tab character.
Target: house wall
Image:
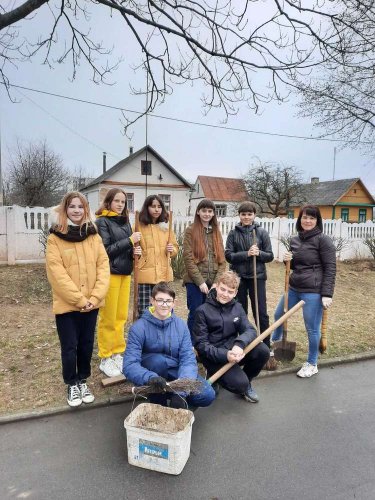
356	195
130	179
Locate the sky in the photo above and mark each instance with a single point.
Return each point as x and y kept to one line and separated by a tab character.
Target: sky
80	132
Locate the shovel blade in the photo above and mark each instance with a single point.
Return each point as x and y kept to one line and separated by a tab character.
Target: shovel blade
284	351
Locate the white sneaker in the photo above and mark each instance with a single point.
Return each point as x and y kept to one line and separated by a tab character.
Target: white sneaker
108	367
86	395
74	395
118	360
307	370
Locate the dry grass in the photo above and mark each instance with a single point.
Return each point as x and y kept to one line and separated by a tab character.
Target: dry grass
30	370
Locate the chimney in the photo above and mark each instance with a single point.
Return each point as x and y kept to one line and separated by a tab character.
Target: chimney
131	150
314	180
104	162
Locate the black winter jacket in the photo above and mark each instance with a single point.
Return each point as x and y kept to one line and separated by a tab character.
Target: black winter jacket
313	263
218	327
239	241
115	233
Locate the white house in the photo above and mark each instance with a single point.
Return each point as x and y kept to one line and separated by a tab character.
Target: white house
226	193
141	174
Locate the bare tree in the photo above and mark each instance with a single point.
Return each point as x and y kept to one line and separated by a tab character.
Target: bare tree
272	187
36	175
225	44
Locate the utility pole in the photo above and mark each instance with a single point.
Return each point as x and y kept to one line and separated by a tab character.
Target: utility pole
334	163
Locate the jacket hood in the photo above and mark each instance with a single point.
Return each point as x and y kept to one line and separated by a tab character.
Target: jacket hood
244	229
160	323
212	299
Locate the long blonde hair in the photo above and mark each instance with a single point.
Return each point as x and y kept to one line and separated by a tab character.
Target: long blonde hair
62	211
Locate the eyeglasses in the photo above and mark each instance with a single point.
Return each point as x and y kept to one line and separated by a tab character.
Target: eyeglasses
162	302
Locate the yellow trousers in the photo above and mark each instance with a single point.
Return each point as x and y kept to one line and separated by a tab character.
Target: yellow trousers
113	316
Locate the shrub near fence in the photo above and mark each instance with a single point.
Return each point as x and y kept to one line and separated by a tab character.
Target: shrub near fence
21	242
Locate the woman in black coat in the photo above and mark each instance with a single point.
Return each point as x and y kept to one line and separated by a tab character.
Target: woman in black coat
114	228
313	263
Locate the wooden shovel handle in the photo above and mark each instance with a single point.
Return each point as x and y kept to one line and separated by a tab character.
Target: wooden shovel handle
136	269
286	297
169	277
257	341
256	284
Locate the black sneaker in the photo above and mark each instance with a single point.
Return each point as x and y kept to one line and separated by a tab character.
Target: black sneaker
86	395
74	395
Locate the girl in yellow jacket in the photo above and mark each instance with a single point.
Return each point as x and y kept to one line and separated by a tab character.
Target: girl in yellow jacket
155	262
78	271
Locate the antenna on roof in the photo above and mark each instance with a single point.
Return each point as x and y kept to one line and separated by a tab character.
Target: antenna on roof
334	163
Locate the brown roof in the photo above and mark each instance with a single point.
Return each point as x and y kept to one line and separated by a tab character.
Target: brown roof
223	188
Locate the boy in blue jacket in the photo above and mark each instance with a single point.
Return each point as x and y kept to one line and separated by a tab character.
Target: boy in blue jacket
221	332
159	350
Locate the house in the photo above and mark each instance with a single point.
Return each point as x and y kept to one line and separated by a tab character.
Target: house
225	192
346	199
142	173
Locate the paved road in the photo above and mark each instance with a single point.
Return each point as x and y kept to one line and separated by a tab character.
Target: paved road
306	440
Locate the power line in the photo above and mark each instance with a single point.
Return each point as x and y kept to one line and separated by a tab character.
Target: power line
189	122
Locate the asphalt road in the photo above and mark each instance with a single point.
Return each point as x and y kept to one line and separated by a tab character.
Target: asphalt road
307	439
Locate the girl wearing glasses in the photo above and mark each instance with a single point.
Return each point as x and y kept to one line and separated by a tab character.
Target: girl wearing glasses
157	250
203	257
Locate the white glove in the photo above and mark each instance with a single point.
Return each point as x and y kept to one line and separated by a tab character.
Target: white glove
327	302
288	256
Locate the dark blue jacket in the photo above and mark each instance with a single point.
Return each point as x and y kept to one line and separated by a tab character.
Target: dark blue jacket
237	245
150	335
218	327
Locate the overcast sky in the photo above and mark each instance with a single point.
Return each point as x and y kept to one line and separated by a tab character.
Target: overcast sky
81	132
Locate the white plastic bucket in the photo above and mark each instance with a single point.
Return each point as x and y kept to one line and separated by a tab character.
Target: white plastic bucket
159	437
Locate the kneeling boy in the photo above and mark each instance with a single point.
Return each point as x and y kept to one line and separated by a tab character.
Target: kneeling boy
159	350
221	332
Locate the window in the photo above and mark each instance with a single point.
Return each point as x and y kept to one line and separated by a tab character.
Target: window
362	215
166	199
146	167
221	210
345	214
290	214
130	200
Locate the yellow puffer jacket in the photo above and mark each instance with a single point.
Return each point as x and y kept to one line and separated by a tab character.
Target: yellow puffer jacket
154	264
78	272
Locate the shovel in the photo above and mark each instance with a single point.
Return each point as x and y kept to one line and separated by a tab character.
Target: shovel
323	330
283	349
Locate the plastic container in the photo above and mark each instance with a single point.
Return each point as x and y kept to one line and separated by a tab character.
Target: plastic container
159	437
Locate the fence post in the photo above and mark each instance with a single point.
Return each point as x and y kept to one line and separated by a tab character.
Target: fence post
11	236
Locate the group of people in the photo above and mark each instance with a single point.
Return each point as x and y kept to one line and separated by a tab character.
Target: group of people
89	266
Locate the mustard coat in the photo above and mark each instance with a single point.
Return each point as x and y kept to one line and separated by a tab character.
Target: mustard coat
154	264
78	272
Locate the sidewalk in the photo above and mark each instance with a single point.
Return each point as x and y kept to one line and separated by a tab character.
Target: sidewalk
32	414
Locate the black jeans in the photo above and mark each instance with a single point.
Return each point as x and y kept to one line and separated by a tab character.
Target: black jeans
76	332
235	379
246	289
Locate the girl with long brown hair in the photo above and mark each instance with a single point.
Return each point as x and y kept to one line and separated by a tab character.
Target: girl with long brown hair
118	238
203	255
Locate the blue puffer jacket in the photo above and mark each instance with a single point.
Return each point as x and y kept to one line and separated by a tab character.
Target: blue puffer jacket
149	336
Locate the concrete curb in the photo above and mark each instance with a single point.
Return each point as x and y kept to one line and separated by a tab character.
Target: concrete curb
100	403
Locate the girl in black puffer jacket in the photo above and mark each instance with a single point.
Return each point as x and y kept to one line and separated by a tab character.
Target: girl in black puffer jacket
115	230
313	261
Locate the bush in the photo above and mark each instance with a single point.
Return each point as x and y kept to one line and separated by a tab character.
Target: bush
370	244
177	262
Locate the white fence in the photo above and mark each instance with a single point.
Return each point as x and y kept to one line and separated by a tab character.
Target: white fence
20	234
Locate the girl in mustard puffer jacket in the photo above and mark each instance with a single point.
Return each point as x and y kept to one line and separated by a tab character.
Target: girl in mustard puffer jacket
157	251
78	271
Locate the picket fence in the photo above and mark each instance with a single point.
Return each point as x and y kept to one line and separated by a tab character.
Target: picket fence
21	237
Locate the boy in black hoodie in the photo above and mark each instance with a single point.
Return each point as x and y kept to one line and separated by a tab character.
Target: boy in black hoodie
221	332
244	241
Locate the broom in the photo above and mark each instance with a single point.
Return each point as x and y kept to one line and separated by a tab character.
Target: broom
179	385
136	269
169	241
323	329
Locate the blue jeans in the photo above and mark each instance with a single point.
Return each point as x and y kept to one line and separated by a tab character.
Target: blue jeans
312	316
195	298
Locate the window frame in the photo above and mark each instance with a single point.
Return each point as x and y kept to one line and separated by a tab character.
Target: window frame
168	203
345	214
